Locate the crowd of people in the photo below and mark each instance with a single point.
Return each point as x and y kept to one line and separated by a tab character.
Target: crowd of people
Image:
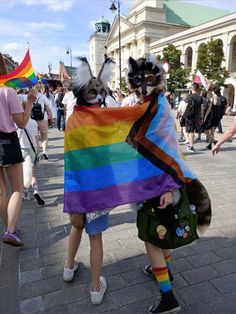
24	122
201	113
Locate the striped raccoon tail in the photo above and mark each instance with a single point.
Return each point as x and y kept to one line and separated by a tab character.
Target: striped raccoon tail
197	195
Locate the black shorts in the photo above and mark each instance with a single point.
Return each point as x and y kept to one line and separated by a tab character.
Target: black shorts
10	151
191	126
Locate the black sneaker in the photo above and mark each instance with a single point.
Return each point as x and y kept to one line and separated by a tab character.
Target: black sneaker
147	270
45	156
167	304
39	199
208	146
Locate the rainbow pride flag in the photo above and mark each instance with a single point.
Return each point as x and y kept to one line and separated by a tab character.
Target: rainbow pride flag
115	156
23	76
42	79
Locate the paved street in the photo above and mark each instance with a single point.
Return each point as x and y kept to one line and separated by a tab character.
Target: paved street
204	272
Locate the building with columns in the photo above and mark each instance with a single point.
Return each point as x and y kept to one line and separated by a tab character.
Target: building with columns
153	24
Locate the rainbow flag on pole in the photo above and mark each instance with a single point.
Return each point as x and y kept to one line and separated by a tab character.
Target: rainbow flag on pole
23	76
115	156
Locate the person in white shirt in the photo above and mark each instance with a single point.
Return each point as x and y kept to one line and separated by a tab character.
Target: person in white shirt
180	116
30	154
43	124
110	100
69	101
52	105
132	100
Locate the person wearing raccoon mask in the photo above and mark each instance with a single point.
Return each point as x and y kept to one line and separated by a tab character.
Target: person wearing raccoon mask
89	91
146	76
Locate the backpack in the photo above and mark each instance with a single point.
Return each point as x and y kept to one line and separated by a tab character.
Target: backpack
37	113
189	112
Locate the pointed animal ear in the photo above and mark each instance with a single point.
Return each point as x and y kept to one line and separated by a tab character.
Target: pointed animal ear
152	59
106	71
132	65
83	75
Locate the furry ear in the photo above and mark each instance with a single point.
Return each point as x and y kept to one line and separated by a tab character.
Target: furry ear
132	65
84	74
152	59
106	71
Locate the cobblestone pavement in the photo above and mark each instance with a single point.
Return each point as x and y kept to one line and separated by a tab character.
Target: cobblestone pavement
204	272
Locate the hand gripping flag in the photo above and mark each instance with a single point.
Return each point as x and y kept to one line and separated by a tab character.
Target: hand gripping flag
23	76
115	156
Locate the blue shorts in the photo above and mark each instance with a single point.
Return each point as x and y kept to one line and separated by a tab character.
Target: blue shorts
97	225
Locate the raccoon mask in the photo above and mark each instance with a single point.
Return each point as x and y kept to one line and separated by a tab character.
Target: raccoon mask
89	90
145	75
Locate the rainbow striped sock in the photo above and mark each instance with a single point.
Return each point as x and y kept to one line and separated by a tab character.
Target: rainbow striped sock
167	258
162	277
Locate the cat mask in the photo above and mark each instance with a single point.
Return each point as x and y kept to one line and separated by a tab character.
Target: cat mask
145	75
88	89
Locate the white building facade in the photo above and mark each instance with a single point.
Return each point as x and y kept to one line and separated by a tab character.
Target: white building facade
151	26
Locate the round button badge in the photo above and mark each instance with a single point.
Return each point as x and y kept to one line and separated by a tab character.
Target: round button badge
161	230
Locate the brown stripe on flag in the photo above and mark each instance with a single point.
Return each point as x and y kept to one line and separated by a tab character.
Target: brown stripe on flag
136	138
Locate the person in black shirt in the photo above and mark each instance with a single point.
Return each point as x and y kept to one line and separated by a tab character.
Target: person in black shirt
193	115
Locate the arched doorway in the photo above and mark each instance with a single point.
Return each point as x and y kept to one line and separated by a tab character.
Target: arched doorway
188	57
229	93
232	55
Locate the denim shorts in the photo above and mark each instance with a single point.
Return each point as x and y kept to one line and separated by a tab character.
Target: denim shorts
97	225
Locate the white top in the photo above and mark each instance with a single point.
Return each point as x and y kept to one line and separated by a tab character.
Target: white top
130	101
52	105
69	101
182	107
110	102
32	130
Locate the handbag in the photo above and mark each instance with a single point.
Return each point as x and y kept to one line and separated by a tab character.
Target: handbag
168	228
37	157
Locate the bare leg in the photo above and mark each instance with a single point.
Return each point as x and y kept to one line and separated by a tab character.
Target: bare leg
166	252
44	141
15	176
73	245
156	255
96	258
185	134
191	139
3	197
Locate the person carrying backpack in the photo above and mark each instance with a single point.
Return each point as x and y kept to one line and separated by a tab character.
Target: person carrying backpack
60	109
193	115
40	113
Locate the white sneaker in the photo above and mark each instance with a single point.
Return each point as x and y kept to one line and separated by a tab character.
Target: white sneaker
96	297
68	273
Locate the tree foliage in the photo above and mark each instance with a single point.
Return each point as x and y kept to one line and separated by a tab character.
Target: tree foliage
178	76
210	57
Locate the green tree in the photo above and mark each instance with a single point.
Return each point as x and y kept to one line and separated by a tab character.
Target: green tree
178	76
124	86
210	57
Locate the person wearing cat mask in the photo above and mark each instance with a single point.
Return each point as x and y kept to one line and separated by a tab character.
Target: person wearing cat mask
146	76
88	91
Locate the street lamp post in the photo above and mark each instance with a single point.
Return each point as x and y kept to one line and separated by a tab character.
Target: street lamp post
49	69
69	52
113	8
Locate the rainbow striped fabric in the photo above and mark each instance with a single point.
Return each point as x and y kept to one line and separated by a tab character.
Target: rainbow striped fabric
23	76
115	156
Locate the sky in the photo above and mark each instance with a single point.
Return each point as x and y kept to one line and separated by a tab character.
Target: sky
48	26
